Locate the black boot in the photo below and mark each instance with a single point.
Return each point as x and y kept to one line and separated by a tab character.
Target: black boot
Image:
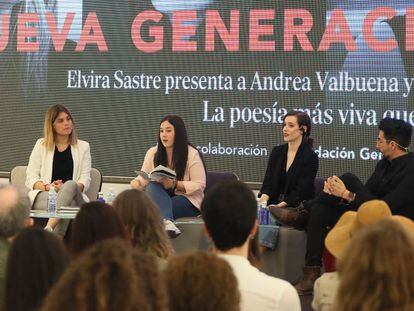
305	285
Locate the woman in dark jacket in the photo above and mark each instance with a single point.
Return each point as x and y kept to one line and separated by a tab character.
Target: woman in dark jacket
292	166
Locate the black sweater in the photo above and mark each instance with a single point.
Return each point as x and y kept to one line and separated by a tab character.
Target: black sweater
393	182
297	183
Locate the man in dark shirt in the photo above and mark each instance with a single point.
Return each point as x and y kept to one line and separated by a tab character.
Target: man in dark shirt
392	181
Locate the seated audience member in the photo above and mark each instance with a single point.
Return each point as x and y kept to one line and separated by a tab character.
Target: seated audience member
375	270
180	197
229	211
392	181
59	160
95	221
110	276
14	215
143	223
347	227
201	281
37	259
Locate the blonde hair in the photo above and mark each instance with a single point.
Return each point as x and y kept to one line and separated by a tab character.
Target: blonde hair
201	281
49	133
143	221
376	270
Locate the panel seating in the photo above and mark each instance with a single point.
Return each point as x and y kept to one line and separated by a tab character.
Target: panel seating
18	179
285	261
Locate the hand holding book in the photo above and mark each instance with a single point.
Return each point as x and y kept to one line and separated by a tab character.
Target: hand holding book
158	174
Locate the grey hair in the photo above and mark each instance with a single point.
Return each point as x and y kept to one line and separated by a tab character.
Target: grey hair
13	219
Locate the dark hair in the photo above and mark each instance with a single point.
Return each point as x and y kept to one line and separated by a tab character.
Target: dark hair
95	221
303	120
201	281
109	276
180	148
229	210
36	260
396	130
143	221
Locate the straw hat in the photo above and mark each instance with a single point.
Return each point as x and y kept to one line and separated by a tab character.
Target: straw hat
351	222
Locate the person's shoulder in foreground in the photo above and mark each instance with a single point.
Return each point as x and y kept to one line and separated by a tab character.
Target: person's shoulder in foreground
229	210
260	291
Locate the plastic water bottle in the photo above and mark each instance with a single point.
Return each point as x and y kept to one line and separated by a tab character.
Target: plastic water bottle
259	212
51	200
266	220
110	196
101	197
263	213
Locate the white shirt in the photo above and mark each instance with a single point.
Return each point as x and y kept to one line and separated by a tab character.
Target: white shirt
260	291
324	291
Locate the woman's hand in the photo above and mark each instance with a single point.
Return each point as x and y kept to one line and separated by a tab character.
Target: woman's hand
264	198
167	183
57	184
138	184
40	185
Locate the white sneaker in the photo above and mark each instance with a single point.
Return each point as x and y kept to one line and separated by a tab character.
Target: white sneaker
171	229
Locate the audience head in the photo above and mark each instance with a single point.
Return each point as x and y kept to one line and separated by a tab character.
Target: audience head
14	211
229	210
394	134
95	221
376	268
110	276
36	260
352	222
302	121
143	222
54	116
201	281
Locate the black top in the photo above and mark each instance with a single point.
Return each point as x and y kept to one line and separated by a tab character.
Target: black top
393	182
296	184
62	165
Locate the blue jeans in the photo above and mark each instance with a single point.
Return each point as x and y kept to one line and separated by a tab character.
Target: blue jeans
171	206
268	235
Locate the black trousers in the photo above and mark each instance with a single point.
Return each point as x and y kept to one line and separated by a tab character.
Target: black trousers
325	211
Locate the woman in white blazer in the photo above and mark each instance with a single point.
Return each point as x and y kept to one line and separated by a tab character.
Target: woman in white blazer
61	160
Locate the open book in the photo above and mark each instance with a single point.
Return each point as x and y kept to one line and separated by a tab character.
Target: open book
158	173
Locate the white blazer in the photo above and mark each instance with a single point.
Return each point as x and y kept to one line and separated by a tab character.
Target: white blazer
41	165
